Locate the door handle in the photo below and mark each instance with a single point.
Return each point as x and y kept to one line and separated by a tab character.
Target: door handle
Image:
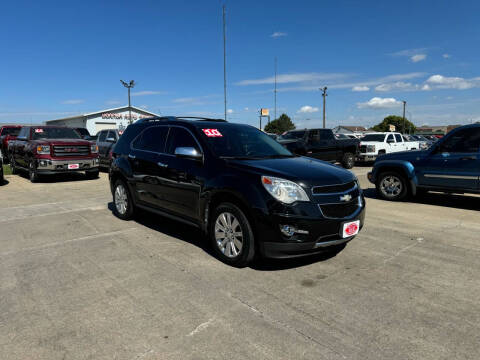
131	156
469	158
162	165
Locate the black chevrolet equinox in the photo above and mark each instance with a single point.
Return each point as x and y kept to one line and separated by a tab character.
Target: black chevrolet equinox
244	190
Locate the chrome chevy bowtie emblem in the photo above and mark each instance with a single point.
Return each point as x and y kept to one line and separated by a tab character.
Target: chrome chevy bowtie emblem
346	197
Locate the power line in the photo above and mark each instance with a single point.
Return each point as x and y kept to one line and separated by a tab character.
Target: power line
275	91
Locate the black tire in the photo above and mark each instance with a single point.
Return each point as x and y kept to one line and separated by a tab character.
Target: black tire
348	160
246	253
32	172
128	212
13	167
92	174
398	188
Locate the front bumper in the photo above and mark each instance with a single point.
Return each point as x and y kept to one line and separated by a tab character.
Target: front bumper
48	166
318	235
366	157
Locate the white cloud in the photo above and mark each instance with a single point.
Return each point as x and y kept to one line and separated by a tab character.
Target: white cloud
426	87
73	101
446	56
199	100
148	92
360	88
246	109
396	86
409	52
278	34
112	102
418	57
379	103
293	78
229	111
444	82
307	109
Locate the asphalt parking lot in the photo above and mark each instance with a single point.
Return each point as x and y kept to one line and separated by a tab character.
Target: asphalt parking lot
78	283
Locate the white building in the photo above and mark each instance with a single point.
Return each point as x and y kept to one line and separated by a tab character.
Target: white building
116	118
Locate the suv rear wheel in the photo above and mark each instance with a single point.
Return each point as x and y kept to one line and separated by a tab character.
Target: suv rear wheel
122	201
231	235
392	186
13	167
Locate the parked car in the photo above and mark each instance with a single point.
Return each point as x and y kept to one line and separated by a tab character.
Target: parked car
451	165
423	142
375	144
244	190
1	168
321	144
106	141
273	136
43	150
7	133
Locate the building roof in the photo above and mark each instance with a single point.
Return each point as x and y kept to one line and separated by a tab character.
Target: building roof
352	128
104	111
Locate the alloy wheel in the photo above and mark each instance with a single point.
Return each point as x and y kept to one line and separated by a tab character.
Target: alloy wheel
121	199
228	235
391	186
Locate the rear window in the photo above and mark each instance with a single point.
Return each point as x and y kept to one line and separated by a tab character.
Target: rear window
152	139
13	131
374	137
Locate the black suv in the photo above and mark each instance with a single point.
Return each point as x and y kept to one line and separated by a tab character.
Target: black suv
244	190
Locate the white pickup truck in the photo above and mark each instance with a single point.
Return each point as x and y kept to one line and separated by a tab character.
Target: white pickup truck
374	144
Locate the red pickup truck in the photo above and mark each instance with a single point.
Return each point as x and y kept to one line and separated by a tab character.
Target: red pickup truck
43	150
7	133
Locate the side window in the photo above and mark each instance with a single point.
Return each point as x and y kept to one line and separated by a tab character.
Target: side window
463	141
314	136
112	134
152	139
390	139
398	137
180	137
326	135
23	132
103	136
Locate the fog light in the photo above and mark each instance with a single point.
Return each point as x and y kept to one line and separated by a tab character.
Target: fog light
287	230
43	163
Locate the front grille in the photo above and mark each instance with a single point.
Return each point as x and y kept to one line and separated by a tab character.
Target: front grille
338	211
331	189
363	148
71	150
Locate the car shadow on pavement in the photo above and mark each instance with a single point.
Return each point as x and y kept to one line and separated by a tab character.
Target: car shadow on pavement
194	236
4	182
465	202
58	178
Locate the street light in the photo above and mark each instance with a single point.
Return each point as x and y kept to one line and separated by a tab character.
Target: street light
129	85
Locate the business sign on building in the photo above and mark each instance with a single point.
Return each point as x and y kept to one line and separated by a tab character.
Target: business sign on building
391	127
124	116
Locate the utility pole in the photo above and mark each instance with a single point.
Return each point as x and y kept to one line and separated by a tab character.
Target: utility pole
224	64
129	85
324	94
404	123
275	91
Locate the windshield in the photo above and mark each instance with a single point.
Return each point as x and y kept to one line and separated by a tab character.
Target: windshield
242	141
292	135
11	131
55	133
83	131
374	137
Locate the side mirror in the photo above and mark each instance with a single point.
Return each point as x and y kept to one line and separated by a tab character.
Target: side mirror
110	139
188	153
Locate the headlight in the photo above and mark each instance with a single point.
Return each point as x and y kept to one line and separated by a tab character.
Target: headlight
94	149
370	148
43	149
284	190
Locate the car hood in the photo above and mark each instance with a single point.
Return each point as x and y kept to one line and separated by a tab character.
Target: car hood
404	155
64	141
306	171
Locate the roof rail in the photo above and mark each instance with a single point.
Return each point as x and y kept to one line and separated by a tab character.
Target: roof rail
167	118
198	118
155	118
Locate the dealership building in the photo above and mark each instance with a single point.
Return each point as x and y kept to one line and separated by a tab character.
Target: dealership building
116	118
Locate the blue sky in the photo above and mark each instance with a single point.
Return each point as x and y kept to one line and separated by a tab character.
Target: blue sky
61	58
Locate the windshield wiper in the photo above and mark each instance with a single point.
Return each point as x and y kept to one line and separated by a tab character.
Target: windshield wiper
239	157
278	156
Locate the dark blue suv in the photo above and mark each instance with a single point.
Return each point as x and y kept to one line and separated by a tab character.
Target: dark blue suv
451	165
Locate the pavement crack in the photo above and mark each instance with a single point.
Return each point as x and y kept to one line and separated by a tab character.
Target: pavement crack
202	326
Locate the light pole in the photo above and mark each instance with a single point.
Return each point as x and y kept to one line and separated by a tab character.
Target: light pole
129	85
324	94
404	103
411	121
224	63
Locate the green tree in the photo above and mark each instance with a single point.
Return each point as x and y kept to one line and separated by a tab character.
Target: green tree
280	125
397	121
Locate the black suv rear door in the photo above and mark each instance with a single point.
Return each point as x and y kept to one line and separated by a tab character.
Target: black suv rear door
148	161
322	145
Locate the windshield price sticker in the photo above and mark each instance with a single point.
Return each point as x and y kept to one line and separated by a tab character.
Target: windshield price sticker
212	132
39	131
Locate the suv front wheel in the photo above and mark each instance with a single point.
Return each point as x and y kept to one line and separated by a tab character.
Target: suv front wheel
392	186
122	201
231	235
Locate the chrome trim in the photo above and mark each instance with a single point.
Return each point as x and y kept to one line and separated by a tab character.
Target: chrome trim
462	177
52	164
332	242
335	193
